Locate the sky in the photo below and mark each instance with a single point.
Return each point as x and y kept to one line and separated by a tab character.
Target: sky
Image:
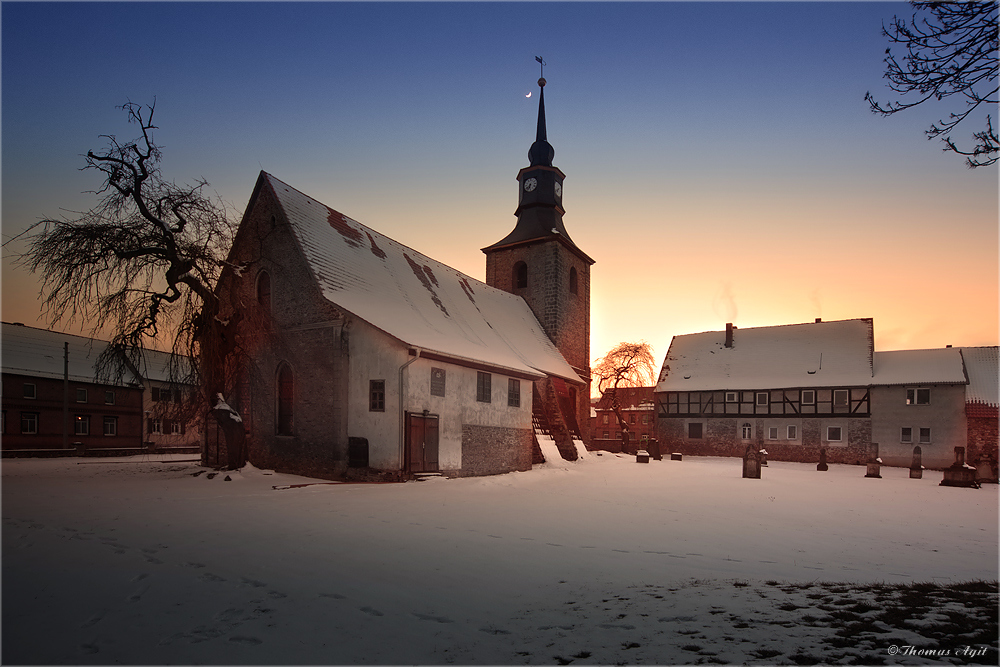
721	162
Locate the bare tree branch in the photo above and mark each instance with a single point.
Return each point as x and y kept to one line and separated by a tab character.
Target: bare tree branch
626	365
951	49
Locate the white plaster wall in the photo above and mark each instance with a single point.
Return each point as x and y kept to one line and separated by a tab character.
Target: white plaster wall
374	356
945	416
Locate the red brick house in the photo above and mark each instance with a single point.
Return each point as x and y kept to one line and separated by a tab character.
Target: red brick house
982	410
639	411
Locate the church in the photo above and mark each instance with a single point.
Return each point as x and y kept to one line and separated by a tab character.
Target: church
356	351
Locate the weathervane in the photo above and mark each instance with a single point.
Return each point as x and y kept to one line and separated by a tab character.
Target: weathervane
541	63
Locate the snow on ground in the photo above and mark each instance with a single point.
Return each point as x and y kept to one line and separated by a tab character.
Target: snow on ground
600	561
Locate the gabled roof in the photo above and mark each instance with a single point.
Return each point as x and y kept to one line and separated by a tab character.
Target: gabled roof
629	398
820	354
417	300
39	353
982	367
937	366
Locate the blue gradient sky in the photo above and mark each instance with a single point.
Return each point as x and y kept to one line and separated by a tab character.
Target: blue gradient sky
722	164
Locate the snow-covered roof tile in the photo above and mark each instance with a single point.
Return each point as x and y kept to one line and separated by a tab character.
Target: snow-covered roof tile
820	354
936	366
414	298
982	367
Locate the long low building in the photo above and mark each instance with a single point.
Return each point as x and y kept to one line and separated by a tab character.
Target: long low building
794	390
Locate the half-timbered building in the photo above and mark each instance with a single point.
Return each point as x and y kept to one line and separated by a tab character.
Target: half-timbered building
791	390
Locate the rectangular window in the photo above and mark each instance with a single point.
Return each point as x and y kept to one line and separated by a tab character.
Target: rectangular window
109	398
81	425
919	396
29	390
631	418
376	396
437	381
906	434
840	398
808	397
111	426
81	395
607	435
175	427
156	426
732	397
513	393
772	433
833	433
484	389
695	430
604	418
925	436
793	432
29	423
762	397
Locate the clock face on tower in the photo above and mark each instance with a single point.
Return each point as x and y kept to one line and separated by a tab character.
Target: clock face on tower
558	189
530	184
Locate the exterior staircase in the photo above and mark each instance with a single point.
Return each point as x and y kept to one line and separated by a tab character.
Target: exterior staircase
547	417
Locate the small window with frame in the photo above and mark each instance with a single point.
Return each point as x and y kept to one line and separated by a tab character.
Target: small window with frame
81	395
29	423
513	393
841	398
906	434
732	397
746	431
834	434
925	436
793	432
695	430
376	396
110	426
772	433
762	398
81	425
109	397
29	391
808	397
484	387
918	396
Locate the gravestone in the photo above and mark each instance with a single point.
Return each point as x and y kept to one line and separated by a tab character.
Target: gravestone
916	469
676	456
763	457
822	466
751	463
642	456
874	462
960	473
653	447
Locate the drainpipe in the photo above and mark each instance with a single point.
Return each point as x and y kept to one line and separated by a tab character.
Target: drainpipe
402	413
65	428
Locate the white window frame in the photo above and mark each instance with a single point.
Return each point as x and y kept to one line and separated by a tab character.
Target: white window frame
811	400
846	393
906	435
81	424
732	397
81	391
762	398
157	426
920	437
175	427
109	397
772	432
913	395
33	391
32	419
113	423
746	431
792	432
840	434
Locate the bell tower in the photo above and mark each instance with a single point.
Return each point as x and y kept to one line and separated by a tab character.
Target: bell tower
540	262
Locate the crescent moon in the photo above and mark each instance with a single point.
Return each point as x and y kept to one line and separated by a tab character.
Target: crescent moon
528	95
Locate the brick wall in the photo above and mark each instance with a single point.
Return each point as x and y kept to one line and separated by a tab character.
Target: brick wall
492	450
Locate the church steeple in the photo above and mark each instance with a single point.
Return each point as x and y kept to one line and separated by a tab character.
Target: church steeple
540	193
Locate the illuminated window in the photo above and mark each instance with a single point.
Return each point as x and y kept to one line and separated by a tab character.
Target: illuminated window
81	425
919	396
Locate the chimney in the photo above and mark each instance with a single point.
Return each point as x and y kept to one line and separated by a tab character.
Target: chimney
818	320
729	334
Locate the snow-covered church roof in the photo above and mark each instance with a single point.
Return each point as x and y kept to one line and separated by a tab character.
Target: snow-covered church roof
413	298
820	354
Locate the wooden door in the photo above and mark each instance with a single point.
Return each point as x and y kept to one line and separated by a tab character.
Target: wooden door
422	442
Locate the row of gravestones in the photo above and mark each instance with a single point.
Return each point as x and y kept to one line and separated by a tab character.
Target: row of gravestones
958	474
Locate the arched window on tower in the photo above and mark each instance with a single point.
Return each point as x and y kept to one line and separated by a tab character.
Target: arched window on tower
520	277
264	291
573	288
285	402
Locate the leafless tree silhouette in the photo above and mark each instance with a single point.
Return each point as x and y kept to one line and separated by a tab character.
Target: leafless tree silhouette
626	365
142	264
951	49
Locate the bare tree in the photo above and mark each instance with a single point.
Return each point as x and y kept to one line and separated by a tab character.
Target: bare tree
951	49
142	264
626	365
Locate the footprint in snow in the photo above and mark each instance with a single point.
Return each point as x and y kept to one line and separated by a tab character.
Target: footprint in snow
436	619
252	641
335	596
372	612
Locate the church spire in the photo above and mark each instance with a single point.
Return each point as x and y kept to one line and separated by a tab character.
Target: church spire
541	152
